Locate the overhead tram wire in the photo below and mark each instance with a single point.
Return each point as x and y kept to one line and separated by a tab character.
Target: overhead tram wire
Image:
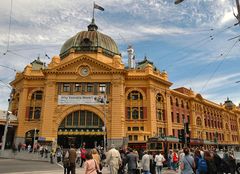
199	72
7	85
220	63
9	28
4	66
180	59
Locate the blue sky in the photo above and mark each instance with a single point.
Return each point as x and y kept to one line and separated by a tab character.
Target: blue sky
189	40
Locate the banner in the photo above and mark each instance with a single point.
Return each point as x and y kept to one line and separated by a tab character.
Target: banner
80	99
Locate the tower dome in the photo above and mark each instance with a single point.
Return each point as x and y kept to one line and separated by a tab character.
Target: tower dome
90	41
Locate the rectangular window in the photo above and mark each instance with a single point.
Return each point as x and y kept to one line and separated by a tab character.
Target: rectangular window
39	95
135	128
95	120
129	128
37	113
89	87
172	116
82	118
178	118
135	113
142	128
135	138
173	132
66	87
141	112
188	118
69	120
102	87
130	137
129	113
183	117
89	119
31	113
77	87
75	119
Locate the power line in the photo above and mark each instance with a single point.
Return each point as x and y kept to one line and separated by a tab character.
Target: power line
220	63
8	67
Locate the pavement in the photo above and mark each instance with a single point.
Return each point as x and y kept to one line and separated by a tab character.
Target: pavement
33	163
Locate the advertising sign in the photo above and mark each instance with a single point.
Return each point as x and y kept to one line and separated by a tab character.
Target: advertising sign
80	99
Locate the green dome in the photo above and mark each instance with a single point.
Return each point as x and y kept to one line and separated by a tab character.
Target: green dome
90	41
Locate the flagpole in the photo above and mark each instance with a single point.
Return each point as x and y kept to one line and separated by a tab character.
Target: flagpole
93	12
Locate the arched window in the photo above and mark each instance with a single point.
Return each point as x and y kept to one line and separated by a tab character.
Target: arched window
182	104
160	107
82	119
177	104
199	121
135	105
35	106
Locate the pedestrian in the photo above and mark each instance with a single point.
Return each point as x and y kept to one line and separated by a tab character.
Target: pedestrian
52	155
159	159
96	157
19	146
211	166
174	160
29	147
83	154
90	166
66	161
78	161
146	163
59	154
169	159
72	159
131	161
113	159
187	162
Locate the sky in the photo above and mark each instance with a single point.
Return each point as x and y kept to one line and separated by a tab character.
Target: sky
189	40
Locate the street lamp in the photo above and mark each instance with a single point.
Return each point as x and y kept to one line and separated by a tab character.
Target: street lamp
5	130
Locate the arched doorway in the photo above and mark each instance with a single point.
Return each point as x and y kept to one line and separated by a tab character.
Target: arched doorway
81	126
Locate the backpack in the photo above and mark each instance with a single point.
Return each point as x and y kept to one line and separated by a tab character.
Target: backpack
175	158
202	165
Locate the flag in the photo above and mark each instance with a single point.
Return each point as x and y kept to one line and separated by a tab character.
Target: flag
98	7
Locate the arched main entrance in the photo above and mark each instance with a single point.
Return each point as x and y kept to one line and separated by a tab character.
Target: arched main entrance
81	126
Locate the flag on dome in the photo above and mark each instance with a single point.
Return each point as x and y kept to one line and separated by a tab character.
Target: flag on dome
98	7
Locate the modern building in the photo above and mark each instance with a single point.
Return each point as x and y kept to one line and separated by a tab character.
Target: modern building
86	94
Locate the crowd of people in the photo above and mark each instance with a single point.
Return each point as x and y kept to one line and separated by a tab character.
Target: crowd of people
129	161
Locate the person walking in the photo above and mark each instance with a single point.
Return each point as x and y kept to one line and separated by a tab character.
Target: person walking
83	152
113	159
159	159
146	163
131	160
90	166
187	162
66	162
96	157
72	159
211	166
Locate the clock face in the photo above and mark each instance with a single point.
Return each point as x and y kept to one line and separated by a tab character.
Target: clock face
84	71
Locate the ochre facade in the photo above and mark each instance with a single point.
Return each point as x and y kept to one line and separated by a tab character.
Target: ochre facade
139	102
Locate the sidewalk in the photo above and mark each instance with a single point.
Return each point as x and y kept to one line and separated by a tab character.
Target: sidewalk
23	155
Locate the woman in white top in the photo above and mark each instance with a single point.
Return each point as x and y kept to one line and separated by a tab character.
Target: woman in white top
159	159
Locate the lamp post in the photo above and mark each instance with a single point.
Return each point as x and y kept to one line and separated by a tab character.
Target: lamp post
104	128
34	137
5	130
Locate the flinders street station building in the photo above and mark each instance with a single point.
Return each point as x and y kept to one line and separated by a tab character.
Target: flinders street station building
86	94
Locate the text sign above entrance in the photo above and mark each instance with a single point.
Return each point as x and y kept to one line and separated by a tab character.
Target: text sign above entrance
80	99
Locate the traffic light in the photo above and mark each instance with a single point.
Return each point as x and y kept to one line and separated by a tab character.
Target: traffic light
181	136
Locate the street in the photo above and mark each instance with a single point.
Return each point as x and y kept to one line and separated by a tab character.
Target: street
12	166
